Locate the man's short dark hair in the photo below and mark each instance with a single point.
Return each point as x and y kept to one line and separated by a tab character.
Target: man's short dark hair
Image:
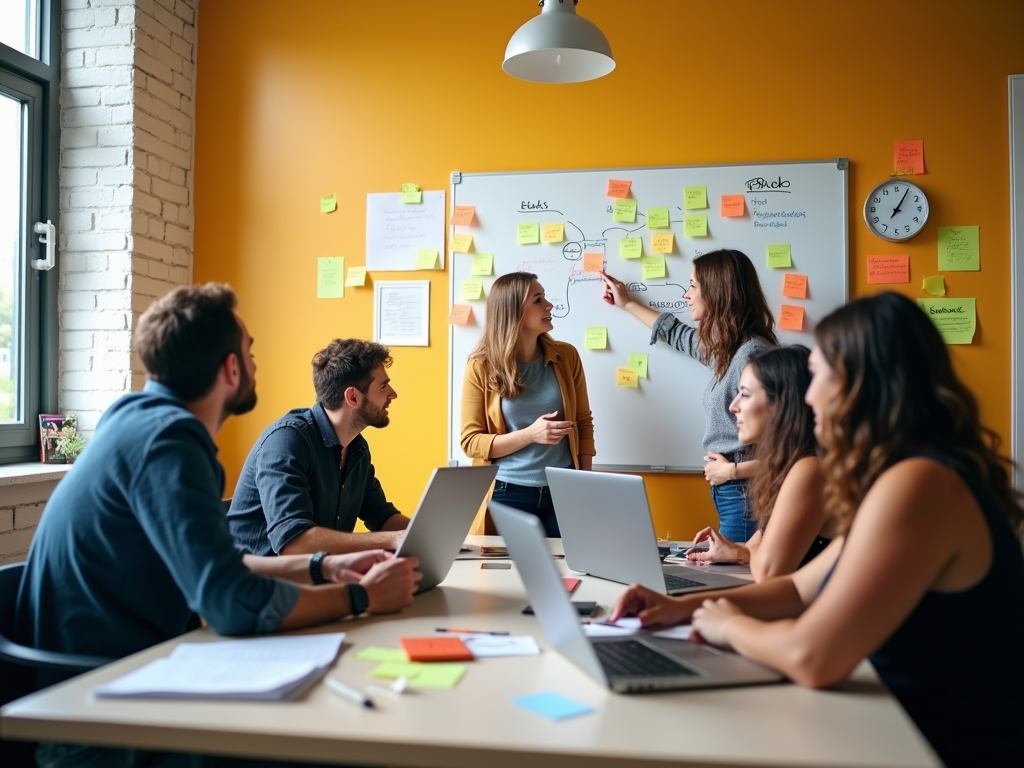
346	363
184	337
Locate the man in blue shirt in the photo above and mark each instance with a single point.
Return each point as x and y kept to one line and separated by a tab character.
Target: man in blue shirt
309	477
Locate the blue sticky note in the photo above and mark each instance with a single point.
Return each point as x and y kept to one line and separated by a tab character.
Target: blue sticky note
552	706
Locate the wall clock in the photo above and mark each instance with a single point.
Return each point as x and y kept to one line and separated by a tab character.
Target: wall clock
896	210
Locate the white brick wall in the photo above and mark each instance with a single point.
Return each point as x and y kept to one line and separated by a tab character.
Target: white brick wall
21	507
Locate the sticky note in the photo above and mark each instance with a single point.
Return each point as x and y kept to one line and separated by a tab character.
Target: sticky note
695	225
483	264
662	242
638	362
459	315
657	218
552	706
356	277
528	233
695	197
626	377
791	318
908	157
631	248
617	188
780	256
934	285
956	319
330	277
461	243
624	210
427	258
794	286
652	267
593	262
732	206
329	204
553	233
888	269
440	675
410	187
463	215
471	289
374	653
412	197
959	250
595	338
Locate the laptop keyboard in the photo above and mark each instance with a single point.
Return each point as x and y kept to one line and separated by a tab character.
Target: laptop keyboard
631	658
678	582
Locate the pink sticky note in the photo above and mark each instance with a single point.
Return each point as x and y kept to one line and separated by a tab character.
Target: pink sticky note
593	262
794	286
463	214
732	206
908	157
791	318
888	269
460	314
617	188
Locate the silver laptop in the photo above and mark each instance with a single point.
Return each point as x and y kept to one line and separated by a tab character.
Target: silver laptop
607	532
443	519
632	664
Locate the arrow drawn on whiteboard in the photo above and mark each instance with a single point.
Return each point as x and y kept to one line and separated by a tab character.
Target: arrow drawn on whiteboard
582	236
622	229
549	210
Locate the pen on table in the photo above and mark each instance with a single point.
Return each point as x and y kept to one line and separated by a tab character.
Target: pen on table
346	691
468	631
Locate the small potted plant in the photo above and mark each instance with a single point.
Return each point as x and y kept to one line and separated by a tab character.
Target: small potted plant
69	441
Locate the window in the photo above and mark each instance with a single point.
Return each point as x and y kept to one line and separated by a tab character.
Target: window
29	145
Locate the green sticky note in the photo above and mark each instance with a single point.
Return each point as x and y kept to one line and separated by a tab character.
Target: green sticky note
374	653
956	319
959	249
780	256
410	187
695	225
471	289
330	277
638	363
595	338
528	233
427	258
624	209
695	197
483	264
329	204
934	285
412	197
433	675
356	276
657	218
652	267
631	248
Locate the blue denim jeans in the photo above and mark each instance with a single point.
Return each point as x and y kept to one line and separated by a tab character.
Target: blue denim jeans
734	513
526	498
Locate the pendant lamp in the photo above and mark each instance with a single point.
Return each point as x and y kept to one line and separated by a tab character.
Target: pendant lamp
558	47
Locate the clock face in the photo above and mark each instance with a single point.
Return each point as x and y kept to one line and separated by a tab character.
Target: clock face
896	210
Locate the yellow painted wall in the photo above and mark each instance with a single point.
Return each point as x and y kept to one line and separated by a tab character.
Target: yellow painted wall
300	99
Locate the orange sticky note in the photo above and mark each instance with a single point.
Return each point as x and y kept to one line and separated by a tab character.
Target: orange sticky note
794	286
460	314
626	377
661	242
908	157
593	262
732	206
463	214
617	188
791	318
888	269
435	649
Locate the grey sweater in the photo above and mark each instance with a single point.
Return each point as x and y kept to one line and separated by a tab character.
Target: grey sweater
719	424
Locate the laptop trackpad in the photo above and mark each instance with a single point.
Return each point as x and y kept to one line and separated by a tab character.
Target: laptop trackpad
683	649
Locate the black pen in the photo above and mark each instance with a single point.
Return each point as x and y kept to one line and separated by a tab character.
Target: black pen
468	631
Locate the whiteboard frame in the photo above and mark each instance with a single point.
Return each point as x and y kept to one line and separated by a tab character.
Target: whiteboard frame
1015	84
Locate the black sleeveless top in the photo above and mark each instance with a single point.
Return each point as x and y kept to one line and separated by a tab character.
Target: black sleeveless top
956	665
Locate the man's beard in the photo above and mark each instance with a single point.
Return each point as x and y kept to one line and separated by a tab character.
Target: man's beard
370	415
244	399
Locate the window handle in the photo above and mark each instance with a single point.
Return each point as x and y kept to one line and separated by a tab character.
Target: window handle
49	239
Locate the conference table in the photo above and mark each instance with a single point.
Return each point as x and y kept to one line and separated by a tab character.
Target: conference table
475	724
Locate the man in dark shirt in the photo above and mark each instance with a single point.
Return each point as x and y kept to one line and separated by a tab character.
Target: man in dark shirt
309	476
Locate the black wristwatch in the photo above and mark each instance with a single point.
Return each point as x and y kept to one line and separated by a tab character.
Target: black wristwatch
358	600
316	572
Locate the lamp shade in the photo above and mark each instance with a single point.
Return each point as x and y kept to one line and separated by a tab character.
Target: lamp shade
558	47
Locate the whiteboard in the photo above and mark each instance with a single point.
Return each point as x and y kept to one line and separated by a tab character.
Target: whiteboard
659	425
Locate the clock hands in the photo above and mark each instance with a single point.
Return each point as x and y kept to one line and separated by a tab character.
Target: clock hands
900	204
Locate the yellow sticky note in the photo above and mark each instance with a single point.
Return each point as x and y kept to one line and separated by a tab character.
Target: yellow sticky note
631	248
657	218
662	242
376	653
595	338
461	243
638	362
934	285
528	233
956	319
959	249
483	264
624	209
410	187
412	197
626	377
554	233
442	675
463	215
471	289
695	197
427	258
356	277
330	277
329	204
652	266
459	315
780	256
695	225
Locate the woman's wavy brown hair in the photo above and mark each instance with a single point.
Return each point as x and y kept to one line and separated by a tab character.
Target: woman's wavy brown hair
789	436
736	307
898	396
500	339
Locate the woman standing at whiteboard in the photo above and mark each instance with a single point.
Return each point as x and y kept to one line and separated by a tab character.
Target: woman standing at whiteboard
725	297
524	398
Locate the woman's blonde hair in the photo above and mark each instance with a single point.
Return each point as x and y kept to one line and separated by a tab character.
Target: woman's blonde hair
498	345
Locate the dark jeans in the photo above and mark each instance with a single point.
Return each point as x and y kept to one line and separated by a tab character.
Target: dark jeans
536	501
734	513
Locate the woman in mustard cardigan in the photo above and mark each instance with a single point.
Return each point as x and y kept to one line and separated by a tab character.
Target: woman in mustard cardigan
524	398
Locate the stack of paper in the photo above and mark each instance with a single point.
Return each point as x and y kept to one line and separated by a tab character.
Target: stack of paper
259	669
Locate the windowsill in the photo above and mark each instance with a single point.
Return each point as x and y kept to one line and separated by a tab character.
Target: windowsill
31	472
